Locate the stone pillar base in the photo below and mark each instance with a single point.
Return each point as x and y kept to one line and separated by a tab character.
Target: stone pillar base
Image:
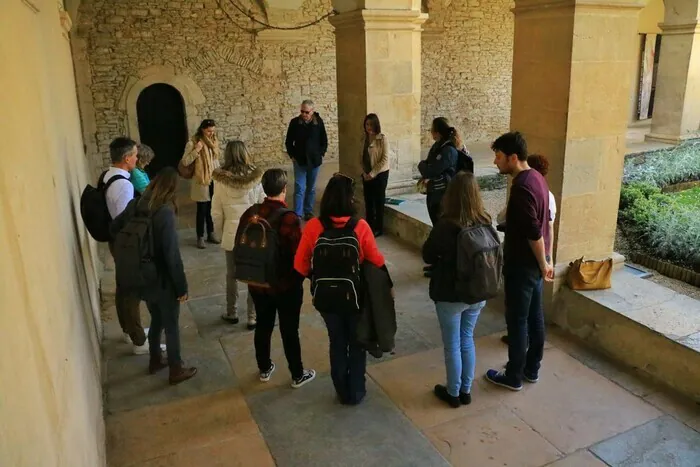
670	139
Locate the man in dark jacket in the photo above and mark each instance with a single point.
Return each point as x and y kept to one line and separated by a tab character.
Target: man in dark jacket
307	143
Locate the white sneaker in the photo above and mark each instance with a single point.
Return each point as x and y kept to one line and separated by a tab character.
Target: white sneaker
143	349
128	340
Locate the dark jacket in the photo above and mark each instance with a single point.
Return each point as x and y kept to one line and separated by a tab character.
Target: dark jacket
440	165
166	250
377	327
440	250
289	230
307	143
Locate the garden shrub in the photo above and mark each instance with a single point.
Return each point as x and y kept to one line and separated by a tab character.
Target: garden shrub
665	167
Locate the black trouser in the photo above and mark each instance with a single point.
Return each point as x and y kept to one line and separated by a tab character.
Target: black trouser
204	214
165	315
348	357
433	201
267	306
525	320
375	194
128	311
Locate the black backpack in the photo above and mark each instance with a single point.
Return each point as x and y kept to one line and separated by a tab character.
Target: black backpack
257	249
479	264
93	208
464	161
335	269
134	253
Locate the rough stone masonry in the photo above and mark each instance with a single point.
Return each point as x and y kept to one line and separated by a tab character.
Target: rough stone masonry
253	81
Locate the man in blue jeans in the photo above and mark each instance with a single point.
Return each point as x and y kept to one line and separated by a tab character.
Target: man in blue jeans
525	264
307	143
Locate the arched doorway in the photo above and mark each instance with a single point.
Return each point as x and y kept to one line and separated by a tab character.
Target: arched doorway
160	111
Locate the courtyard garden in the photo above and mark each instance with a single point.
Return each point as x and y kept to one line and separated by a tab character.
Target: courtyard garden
660	206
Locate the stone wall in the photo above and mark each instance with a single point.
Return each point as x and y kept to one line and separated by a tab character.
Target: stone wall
467	64
252	83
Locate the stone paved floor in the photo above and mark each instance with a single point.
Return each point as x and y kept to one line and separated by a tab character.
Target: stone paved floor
585	411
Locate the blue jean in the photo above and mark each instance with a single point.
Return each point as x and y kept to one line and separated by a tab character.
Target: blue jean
525	321
348	357
304	188
457	322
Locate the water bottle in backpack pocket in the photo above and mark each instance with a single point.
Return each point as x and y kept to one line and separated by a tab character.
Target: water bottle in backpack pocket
134	255
335	270
257	250
479	264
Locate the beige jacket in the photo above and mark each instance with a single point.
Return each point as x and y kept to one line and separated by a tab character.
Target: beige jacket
205	162
378	155
233	194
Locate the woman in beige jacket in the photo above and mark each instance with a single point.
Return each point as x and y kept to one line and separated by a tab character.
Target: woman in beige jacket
375	173
203	151
236	188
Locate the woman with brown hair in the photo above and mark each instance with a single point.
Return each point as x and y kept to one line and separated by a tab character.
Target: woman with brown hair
203	151
169	286
375	173
462	208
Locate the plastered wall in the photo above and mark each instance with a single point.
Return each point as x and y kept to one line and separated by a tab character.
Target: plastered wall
50	395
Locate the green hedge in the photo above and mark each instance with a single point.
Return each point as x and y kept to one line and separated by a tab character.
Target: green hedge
670	230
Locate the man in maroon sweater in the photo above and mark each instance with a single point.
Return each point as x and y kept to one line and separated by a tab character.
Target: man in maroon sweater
525	264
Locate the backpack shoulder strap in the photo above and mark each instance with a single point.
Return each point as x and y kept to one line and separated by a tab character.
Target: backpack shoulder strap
112	180
351	224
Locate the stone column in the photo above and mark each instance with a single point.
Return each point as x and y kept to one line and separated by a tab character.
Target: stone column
378	57
676	102
572	71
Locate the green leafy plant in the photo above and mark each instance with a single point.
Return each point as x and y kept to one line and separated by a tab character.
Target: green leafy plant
664	167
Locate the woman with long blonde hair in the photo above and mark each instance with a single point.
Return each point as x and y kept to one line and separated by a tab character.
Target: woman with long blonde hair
462	208
236	188
169	286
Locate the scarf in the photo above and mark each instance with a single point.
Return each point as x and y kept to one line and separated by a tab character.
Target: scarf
208	160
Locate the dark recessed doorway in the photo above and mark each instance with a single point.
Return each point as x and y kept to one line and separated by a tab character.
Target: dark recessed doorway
162	124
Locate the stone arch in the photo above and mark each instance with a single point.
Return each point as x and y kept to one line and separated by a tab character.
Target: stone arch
191	94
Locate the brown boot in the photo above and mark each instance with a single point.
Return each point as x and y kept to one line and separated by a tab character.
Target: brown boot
156	364
178	374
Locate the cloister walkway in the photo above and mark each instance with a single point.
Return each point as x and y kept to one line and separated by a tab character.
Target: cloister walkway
585	411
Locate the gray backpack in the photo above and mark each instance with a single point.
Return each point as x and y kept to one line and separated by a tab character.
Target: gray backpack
479	264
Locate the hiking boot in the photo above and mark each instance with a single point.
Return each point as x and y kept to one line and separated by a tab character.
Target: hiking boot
266	375
306	377
441	392
465	398
178	374
211	238
156	364
200	243
499	378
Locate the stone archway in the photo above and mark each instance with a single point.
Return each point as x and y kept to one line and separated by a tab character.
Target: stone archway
191	94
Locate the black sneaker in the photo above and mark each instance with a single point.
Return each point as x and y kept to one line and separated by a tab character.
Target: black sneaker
442	394
499	378
531	377
305	377
265	375
465	398
308	216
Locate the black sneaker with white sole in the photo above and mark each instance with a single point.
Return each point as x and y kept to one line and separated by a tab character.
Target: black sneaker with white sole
499	378
306	377
531	377
265	375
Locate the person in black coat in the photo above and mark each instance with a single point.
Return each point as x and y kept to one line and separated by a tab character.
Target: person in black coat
439	168
462	207
306	143
169	287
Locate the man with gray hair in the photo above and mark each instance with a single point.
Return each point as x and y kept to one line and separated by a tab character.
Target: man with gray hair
307	143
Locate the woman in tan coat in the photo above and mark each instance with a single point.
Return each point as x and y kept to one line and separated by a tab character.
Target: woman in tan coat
375	173
203	151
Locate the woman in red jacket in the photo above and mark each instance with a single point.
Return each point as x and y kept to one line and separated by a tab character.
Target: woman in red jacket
348	358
